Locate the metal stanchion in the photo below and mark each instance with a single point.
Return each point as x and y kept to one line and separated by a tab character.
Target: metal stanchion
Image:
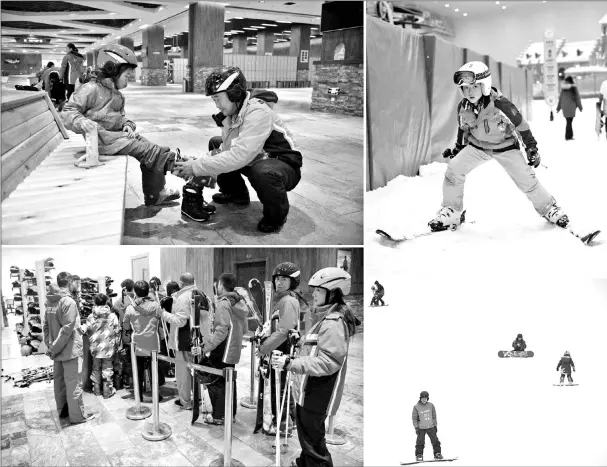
331	436
277	372
251	401
138	411
155	431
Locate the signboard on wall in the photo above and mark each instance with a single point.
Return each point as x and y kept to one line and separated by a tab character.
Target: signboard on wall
551	73
303	56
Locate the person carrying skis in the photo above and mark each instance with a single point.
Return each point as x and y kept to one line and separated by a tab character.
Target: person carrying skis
98	105
566	365
490	127
284	317
378	293
320	364
228	326
424	422
518	344
255	143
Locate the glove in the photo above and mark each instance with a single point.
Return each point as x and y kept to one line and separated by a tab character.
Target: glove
450	153
294	335
533	157
417	431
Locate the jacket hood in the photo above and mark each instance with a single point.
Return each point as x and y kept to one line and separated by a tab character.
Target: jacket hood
76	54
101	311
56	293
144	310
264	95
187	289
568	87
232	296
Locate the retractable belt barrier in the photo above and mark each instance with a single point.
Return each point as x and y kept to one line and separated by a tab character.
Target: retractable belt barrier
251	401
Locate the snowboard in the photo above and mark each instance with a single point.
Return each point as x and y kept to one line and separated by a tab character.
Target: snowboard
429	460
515	353
566	384
402	238
379	306
598	122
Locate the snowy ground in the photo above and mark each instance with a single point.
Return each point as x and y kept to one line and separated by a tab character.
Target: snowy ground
444	336
507	232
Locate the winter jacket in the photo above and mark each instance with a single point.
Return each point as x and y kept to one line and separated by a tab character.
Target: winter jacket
321	364
61	328
566	365
255	133
285	316
100	101
229	323
424	415
492	124
104	330
72	66
143	320
379	290
519	345
569	100
180	315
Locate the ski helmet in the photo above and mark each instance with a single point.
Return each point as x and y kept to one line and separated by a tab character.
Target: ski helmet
229	80
520	336
289	270
473	73
567	354
332	279
424	394
112	56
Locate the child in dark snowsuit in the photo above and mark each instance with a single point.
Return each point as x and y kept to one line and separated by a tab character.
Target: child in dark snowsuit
565	366
519	345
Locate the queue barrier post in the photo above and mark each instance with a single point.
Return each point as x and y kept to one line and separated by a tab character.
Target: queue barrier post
155	431
137	411
251	401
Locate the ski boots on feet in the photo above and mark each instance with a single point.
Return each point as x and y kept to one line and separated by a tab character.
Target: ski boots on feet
227	198
191	205
446	218
97	389
206	207
267	226
557	216
166	195
108	390
438	456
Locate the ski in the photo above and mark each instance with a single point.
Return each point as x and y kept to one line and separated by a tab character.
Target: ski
251	304
587	238
402	238
197	341
429	460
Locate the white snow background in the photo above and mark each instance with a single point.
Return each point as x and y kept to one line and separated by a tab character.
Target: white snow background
442	334
507	232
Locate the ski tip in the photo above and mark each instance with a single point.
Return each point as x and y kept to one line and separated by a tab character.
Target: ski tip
590	237
383	234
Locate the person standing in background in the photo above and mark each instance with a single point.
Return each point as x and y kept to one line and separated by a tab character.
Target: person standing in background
569	101
72	66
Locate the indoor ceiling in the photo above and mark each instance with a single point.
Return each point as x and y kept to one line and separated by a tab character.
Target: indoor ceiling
480	9
47	26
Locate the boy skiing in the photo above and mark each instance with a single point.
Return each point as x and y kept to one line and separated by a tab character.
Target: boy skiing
424	422
490	127
98	105
565	366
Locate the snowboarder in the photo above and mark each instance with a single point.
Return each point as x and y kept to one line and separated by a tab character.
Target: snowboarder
98	105
565	366
569	101
255	143
320	365
378	293
490	127
518	344
424	422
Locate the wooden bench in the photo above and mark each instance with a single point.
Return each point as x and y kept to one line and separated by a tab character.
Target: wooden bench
45	198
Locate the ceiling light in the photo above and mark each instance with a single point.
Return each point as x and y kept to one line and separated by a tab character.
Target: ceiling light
226	21
238	17
497	3
143	26
283	21
456	10
250	29
187	6
465	14
504	7
446	5
161	8
266	24
113	13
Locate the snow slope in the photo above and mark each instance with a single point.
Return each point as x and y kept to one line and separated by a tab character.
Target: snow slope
442	335
507	231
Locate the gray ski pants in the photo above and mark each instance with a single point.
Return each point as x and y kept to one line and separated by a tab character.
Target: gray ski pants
67	375
512	161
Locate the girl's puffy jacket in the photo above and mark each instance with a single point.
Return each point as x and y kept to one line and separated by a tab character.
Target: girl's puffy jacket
321	364
104	330
143	320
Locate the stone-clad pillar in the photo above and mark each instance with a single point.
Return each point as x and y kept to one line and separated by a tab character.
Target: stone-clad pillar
265	42
153	72
182	41
300	47
239	46
206	30
129	44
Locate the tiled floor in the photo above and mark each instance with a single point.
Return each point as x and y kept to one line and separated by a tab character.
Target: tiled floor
32	433
326	206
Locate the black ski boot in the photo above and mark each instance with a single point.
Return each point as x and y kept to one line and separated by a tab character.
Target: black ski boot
226	198
267	226
438	456
191	205
206	207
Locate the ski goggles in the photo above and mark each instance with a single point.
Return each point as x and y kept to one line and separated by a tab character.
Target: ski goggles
467	77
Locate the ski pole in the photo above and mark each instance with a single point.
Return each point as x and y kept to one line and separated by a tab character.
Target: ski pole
277	353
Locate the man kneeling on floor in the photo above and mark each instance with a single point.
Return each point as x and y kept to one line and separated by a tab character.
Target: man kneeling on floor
255	143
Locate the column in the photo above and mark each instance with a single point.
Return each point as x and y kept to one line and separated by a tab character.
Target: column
300	47
153	72
206	28
128	43
239	46
265	42
182	41
90	59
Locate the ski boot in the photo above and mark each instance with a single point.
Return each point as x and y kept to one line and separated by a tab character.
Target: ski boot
209	208
164	196
419	458
267	226
108	390
226	198
191	205
446	218
118	381
557	216
97	389
438	456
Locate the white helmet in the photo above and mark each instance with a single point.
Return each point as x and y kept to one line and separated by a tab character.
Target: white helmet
332	279
473	73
